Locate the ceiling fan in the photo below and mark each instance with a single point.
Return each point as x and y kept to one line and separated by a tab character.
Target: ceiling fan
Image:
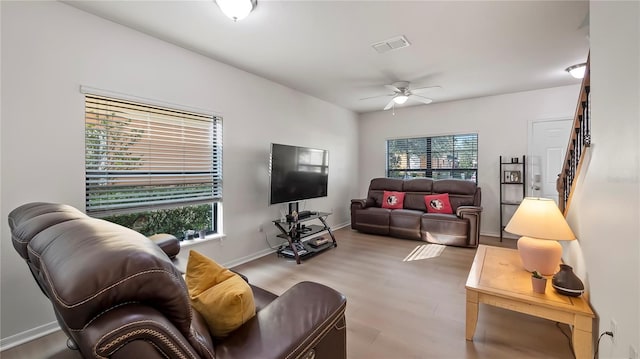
402	92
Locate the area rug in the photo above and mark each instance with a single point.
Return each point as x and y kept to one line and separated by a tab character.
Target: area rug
425	251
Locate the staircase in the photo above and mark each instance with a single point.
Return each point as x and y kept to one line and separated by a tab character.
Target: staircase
579	142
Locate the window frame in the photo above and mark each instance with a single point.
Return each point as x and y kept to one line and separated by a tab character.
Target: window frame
428	170
203	170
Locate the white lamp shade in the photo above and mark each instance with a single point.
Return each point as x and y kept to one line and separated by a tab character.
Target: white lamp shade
235	9
540	218
400	99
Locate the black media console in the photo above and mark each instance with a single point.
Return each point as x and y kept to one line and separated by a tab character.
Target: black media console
294	230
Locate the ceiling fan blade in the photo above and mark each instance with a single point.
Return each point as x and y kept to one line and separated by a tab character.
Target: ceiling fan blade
422	99
370	97
389	105
424	89
392	88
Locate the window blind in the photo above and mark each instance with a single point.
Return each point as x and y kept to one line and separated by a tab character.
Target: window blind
141	157
453	156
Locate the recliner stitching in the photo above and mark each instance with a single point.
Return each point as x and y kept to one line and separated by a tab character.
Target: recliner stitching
68	306
150	331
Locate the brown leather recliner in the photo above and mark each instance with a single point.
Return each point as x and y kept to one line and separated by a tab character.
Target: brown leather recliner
116	294
462	228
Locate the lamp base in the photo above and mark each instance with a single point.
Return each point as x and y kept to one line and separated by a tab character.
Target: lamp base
539	254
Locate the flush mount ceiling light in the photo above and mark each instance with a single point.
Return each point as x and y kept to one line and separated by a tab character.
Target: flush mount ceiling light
400	99
236	9
577	70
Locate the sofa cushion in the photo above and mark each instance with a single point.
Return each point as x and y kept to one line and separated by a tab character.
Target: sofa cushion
444	229
222	297
372	220
379	185
415	190
405	223
392	200
418	185
438	203
461	193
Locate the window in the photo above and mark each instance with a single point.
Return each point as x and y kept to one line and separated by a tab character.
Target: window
454	156
150	168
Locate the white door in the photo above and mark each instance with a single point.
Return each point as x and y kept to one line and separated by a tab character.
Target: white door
547	147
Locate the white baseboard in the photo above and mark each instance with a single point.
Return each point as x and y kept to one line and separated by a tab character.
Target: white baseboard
28	335
268	251
249	258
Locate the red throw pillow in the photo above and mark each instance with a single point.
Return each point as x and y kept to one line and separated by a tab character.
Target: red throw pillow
438	203
392	200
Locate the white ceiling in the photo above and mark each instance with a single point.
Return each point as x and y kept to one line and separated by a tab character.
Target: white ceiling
323	48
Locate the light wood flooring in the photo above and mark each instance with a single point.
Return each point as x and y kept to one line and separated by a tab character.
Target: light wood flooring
395	309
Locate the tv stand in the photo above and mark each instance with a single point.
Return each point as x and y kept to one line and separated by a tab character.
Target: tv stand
295	231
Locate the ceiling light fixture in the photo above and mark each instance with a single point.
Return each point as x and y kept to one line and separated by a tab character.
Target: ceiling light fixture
400	99
236	9
577	71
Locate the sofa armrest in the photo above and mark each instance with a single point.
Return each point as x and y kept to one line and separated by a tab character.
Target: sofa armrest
472	213
139	329
288	327
169	244
468	210
356	204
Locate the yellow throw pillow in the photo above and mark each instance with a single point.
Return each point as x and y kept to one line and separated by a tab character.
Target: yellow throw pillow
222	297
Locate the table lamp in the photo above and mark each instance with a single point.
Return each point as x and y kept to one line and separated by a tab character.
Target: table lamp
541	225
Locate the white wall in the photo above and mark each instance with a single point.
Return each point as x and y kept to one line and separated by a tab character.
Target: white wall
500	121
605	208
49	49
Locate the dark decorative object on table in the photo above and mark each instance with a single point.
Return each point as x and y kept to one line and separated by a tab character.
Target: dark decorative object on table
566	282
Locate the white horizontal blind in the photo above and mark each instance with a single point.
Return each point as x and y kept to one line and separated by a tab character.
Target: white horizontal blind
453	156
141	157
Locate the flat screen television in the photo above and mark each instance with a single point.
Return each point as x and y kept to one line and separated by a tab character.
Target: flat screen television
297	173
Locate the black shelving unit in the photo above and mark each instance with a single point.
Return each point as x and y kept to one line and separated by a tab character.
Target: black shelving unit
512	174
294	232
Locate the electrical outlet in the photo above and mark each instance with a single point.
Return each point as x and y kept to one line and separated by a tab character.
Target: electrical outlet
633	353
613	328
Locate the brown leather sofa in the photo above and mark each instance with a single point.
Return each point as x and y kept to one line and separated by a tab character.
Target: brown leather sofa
412	221
116	294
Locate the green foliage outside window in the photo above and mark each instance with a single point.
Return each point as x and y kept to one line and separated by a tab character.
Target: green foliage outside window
438	157
173	221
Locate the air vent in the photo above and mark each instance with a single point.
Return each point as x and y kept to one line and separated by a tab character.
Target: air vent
394	43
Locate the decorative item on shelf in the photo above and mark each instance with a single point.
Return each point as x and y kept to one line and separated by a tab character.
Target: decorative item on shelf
538	282
512	176
189	234
202	233
514	159
541	225
566	282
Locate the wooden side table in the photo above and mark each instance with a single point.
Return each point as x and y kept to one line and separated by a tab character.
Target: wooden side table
498	278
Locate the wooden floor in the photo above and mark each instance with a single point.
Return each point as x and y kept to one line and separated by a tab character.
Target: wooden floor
395	309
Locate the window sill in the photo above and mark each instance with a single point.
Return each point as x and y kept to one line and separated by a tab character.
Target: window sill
210	238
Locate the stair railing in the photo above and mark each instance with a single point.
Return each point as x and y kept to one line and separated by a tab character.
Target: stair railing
579	141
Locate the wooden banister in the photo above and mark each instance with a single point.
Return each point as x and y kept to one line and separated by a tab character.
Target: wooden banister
579	141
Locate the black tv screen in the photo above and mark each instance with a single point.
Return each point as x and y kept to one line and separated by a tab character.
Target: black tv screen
297	173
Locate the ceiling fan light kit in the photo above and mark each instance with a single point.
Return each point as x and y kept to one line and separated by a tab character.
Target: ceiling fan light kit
400	99
236	9
577	70
402	93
